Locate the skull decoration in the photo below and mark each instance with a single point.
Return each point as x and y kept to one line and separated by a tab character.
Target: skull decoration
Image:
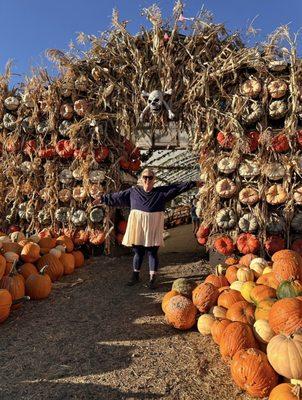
156	102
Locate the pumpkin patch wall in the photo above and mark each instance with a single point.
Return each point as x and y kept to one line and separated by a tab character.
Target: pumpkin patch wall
68	139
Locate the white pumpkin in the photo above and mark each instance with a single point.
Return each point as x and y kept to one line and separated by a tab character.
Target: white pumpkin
218	311
79	218
248	223
249	196
251	87
252	113
17	236
257	265
9	121
226	188
12	103
64	128
249	169
277	89
55	252
77	174
204	323
66	111
44	217
97	176
226	218
62	214
227	165
274	171
42	128
276	194
66	177
262	330
61	248
245	274
277	109
79	193
82	83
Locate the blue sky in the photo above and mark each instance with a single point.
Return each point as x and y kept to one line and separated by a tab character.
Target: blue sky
28	27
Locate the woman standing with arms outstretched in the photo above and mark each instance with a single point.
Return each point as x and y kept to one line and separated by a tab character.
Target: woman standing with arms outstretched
145	225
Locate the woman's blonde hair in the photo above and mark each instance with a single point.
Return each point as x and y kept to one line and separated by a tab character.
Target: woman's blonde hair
148	171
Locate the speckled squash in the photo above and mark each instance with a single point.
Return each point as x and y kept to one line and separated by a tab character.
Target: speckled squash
184	286
166	299
181	312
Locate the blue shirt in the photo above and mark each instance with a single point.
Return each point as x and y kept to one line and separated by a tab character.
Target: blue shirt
137	199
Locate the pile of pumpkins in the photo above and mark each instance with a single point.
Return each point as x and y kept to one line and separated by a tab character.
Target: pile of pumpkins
253	310
29	266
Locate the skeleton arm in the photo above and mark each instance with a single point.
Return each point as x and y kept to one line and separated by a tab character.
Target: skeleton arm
170	113
141	117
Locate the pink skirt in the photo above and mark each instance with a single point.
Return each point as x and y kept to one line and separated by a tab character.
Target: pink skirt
144	229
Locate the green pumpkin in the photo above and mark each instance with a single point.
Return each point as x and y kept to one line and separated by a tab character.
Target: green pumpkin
289	288
184	286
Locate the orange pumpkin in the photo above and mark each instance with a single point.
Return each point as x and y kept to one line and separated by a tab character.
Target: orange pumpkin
38	286
218	328
204	296
54	267
231	261
285	269
287	254
241	311
68	262
235	337
27	269
11	247
246	259
181	312
268	280
285	391
252	372
231	273
2	266
262	292
30	252
286	316
47	242
166	299
5	304
229	297
66	242
247	243
224	245
217	280
79	259
14	283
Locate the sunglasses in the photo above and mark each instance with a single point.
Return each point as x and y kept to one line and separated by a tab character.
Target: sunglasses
148	177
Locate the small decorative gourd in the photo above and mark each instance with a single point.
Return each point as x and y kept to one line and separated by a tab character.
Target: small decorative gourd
226	218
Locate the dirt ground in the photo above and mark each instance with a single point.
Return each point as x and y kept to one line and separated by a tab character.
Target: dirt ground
102	340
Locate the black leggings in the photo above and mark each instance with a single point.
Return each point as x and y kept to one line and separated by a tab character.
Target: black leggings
139	252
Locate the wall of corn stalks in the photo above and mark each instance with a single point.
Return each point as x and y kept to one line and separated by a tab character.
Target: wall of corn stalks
67	139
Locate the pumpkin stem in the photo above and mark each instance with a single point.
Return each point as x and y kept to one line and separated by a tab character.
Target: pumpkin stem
297	391
21	300
13	270
42	270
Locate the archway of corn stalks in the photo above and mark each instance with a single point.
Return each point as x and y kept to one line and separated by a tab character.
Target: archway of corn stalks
68	139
